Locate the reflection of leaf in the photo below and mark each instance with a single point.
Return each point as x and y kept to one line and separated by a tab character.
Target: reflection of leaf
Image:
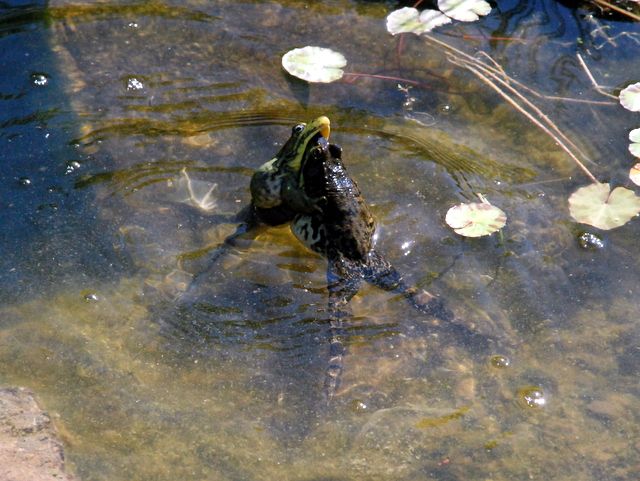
634	174
464	10
634	146
596	205
409	20
314	64
475	219
196	192
630	97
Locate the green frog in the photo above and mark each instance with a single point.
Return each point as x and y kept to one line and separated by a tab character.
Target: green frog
342	231
307	185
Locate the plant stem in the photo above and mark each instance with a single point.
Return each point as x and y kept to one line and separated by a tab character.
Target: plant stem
618	9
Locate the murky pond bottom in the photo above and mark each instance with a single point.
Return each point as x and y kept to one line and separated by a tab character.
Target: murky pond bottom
161	96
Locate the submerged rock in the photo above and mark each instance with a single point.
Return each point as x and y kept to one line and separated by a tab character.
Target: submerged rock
29	446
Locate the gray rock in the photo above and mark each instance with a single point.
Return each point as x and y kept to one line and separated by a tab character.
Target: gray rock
29	447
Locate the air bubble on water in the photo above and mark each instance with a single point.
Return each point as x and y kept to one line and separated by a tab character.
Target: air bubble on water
499	361
39	79
532	397
72	166
91	297
24	181
134	84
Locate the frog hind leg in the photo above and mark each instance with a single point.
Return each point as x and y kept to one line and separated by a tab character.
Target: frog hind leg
343	283
382	274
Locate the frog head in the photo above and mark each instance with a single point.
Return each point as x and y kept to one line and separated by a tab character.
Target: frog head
268	180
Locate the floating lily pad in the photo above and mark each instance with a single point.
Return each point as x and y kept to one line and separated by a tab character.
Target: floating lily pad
600	207
410	20
630	97
475	219
314	64
634	174
634	146
464	10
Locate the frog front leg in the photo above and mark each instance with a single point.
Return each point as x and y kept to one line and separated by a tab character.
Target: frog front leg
295	198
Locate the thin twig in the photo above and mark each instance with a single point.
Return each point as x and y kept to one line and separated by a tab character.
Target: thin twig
618	9
527	114
545	96
593	80
550	124
385	77
504	79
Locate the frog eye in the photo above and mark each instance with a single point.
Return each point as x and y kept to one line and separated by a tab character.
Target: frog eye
298	129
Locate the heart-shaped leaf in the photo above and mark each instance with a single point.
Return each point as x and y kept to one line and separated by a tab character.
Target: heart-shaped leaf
634	146
464	10
630	97
410	20
314	64
475	219
600	207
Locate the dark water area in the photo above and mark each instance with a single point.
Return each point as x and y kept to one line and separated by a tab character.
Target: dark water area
128	135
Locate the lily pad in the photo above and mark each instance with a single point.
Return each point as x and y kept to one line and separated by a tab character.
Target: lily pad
634	174
314	64
475	219
464	10
630	97
634	146
410	20
600	207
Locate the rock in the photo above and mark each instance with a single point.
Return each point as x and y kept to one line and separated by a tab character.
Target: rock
29	447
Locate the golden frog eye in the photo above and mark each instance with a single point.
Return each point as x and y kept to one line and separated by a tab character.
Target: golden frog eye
298	129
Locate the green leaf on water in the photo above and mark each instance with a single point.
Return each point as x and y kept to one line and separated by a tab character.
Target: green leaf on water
475	219
314	64
634	146
600	207
630	97
410	20
464	10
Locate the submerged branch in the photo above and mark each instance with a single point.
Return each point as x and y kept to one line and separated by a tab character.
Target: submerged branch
595	84
495	77
620	10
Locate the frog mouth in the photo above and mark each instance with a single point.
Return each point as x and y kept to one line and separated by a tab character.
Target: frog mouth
324	128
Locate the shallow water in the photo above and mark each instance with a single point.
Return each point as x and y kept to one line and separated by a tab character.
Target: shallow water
108	109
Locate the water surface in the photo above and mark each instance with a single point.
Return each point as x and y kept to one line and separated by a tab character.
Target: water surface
107	107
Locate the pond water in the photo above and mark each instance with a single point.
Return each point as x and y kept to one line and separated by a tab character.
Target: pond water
108	109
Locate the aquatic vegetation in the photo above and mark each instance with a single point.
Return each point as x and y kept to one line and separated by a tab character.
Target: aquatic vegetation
475	219
630	97
410	20
464	10
600	207
314	64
